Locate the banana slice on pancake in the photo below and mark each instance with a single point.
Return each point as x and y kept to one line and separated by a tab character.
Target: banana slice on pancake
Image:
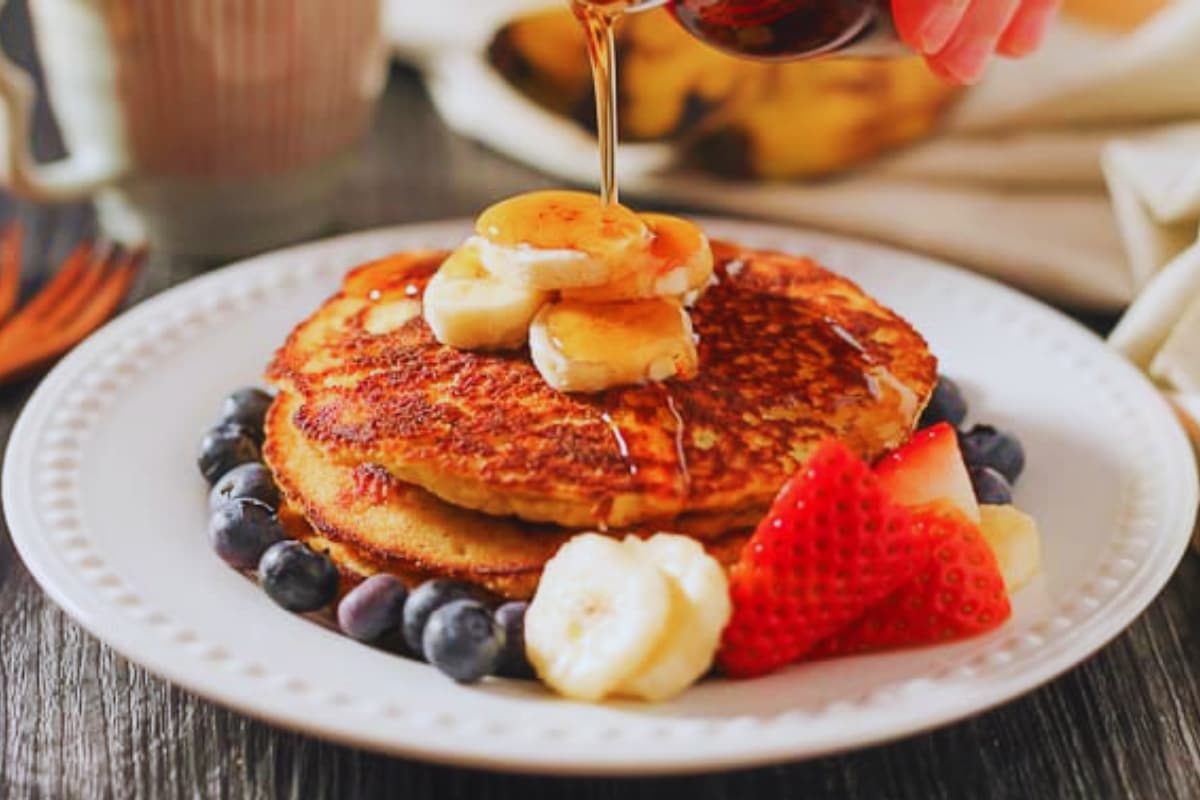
677	260
555	240
469	308
589	347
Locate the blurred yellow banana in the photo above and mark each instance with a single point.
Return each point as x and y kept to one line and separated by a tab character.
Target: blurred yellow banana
802	119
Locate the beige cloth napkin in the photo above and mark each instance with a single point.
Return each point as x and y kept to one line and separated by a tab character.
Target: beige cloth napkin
1014	188
1155	185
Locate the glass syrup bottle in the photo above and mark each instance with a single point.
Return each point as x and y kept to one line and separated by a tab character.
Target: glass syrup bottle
790	29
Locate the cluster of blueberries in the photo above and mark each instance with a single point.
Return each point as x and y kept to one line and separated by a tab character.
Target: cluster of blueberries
459	628
994	458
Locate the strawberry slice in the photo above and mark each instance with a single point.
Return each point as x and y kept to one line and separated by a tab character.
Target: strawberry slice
832	546
960	593
929	468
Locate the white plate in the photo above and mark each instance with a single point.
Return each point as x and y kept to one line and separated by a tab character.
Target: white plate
107	510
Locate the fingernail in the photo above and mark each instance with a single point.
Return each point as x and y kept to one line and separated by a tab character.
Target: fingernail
968	63
1022	40
939	26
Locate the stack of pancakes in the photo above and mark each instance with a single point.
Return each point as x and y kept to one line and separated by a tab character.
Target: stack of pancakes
396	453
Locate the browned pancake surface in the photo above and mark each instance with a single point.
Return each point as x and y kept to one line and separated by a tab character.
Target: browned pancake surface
369	522
790	353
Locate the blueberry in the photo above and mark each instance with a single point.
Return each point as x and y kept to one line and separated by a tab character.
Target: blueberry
241	531
510	617
297	578
246	480
985	446
223	448
946	405
991	487
372	608
463	640
246	407
428	598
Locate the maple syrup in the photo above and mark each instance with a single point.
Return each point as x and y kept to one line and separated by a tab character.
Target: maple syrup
681	432
877	376
598	18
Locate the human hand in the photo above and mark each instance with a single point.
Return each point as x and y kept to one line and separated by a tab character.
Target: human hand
959	37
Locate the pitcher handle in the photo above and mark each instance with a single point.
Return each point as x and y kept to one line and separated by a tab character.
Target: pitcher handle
78	175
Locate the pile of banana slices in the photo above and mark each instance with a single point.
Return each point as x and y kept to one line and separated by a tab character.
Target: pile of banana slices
598	292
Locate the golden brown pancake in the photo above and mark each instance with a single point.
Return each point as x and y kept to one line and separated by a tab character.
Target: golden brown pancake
370	522
790	354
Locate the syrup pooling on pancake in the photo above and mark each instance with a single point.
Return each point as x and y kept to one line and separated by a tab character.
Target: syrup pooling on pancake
612	287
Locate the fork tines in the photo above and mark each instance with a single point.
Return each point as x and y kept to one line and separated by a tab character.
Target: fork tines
85	291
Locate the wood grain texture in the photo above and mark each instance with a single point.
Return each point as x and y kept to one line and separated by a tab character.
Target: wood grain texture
79	721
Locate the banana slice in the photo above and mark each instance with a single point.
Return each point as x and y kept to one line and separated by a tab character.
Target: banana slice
559	240
471	309
598	613
1013	537
700	609
589	347
678	260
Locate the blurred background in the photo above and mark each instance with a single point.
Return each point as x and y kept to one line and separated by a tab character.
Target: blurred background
802	123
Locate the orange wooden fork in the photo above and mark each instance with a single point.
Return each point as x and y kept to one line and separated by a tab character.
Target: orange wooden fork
83	294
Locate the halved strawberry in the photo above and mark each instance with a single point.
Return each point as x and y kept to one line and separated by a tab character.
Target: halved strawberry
960	593
927	469
832	546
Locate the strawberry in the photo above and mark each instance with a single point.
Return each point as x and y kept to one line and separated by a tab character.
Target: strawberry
832	545
929	468
960	593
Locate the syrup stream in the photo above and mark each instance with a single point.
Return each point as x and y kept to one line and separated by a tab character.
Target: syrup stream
598	18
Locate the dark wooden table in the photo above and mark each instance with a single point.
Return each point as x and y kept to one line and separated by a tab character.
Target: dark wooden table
79	721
